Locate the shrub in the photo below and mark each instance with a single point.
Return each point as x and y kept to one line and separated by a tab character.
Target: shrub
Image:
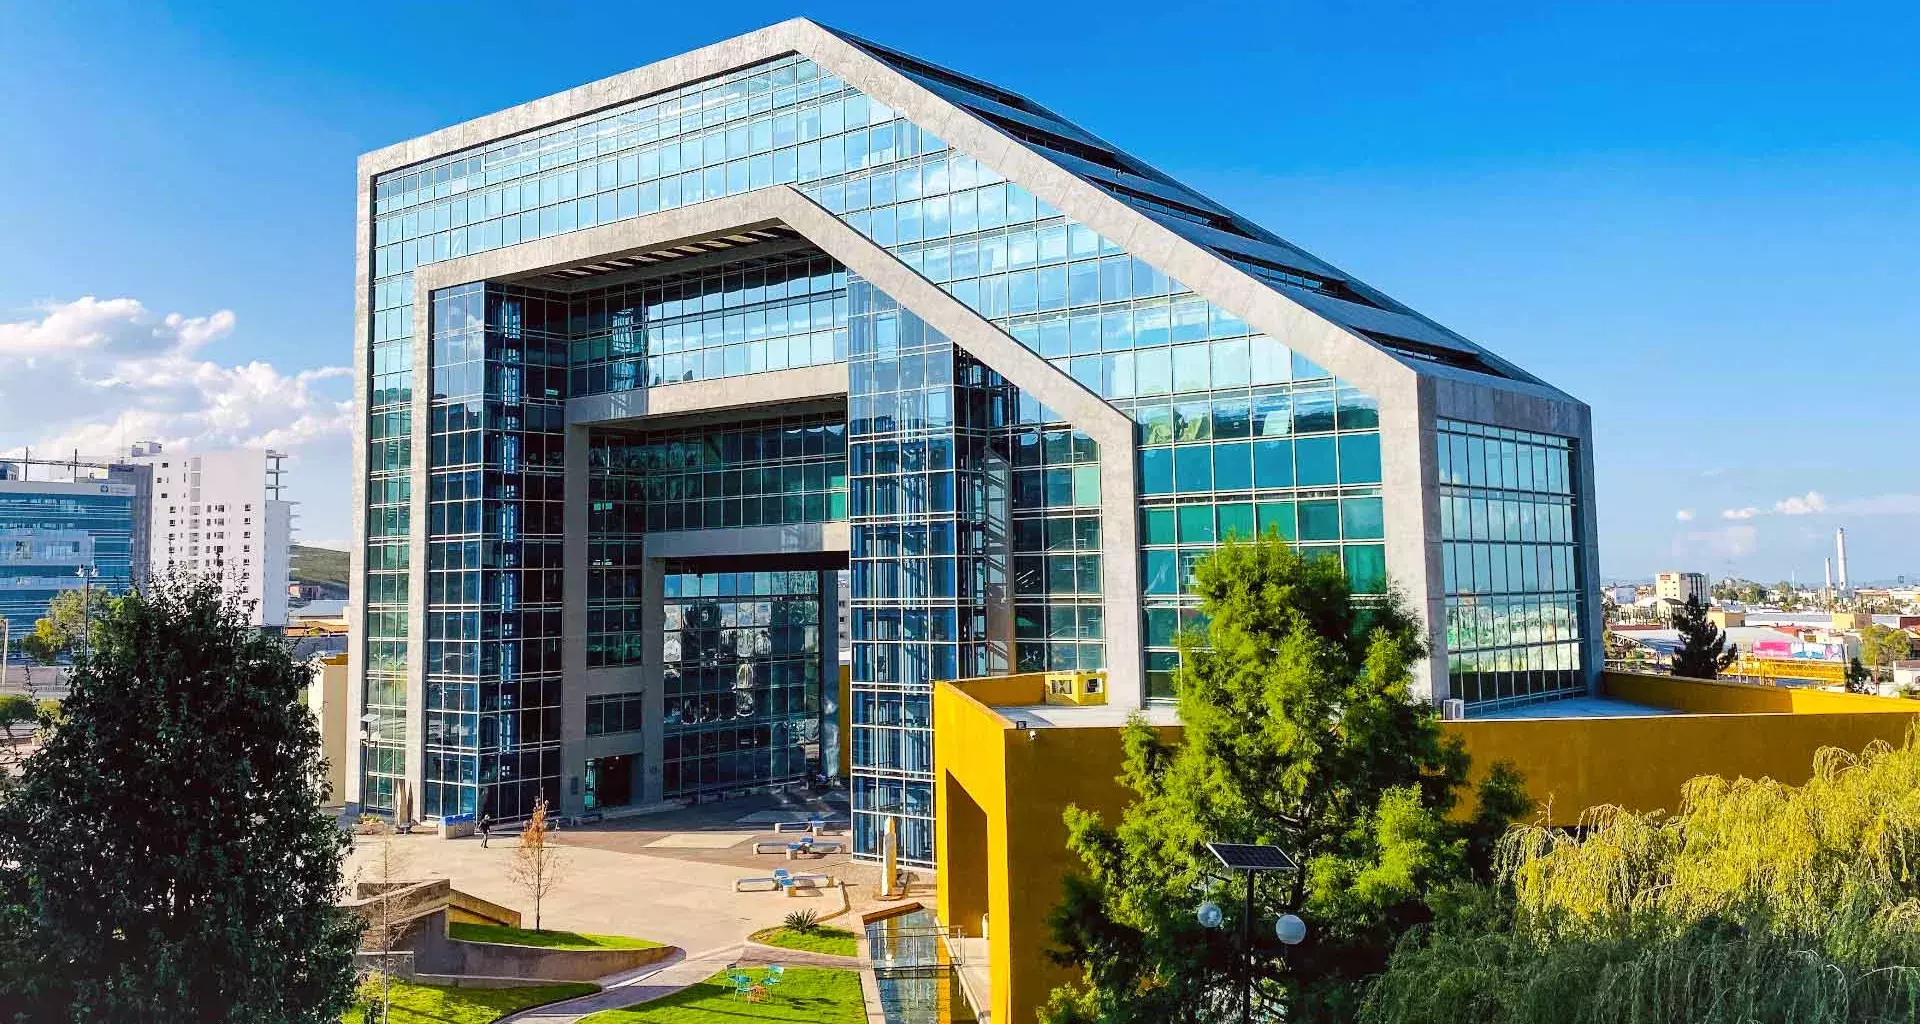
802	921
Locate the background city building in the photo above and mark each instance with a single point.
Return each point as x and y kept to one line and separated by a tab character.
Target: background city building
644	365
86	529
1680	586
222	512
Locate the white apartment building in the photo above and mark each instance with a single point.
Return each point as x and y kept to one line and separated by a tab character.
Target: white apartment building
222	512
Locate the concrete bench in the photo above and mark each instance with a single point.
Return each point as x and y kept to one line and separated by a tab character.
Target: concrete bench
807	845
781	880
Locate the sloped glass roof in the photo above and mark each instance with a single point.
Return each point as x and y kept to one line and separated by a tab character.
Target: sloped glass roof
1288	269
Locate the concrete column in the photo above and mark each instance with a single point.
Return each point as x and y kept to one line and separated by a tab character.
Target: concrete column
1410	493
1593	652
357	552
417	551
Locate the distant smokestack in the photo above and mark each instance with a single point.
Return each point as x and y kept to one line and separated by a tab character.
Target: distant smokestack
1829	575
1840	555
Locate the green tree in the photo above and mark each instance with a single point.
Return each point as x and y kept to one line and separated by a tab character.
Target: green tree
1882	646
64	629
1704	652
1757	903
39	651
17	710
1299	730
1784	595
164	856
1858	678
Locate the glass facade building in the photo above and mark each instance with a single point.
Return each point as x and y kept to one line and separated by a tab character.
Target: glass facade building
775	326
52	530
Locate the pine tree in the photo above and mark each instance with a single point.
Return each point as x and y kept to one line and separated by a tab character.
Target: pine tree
164	856
1704	652
1300	731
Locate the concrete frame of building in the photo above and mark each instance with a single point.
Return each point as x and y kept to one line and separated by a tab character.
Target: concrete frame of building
1414	395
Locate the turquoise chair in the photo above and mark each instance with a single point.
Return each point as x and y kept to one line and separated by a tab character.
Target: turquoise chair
740	980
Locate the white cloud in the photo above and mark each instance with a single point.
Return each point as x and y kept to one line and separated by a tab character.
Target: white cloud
1739	513
1801	505
99	374
1685	515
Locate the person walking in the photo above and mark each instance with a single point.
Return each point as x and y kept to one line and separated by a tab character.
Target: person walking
486	829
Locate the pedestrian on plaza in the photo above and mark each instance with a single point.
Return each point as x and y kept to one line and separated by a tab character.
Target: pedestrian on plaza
486	829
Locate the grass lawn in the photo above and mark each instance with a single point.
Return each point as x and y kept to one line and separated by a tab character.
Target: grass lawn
807	995
823	939
546	939
433	1004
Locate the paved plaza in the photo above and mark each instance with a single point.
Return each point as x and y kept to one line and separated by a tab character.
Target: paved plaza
666	877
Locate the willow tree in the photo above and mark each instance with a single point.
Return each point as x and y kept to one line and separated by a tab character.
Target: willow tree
1300	730
1757	903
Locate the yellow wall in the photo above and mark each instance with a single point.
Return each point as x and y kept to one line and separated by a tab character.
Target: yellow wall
992	778
999	794
327	700
1572	764
1699	696
1641	763
846	721
1007	691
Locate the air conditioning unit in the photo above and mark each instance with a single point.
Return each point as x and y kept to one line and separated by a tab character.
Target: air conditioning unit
1453	709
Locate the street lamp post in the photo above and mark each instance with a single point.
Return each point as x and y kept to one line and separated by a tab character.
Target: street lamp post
86	574
1251	860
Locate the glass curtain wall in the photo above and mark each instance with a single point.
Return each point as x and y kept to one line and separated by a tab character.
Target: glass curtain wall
768	313
45	538
1510	523
741	675
926	427
767	472
1112	321
389	494
495	464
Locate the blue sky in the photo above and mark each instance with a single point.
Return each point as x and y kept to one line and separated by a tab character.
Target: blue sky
1702	219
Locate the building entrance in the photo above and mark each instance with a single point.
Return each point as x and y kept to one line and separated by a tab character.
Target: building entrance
609	781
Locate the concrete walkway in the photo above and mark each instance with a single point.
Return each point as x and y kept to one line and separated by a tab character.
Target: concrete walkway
656	981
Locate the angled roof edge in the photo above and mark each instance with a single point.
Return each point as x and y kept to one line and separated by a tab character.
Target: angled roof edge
1142	169
1331	344
1344	348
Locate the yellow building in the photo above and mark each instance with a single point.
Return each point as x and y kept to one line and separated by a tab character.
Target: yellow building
327	699
1006	764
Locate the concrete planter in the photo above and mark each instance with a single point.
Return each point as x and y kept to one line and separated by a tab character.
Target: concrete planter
501	960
